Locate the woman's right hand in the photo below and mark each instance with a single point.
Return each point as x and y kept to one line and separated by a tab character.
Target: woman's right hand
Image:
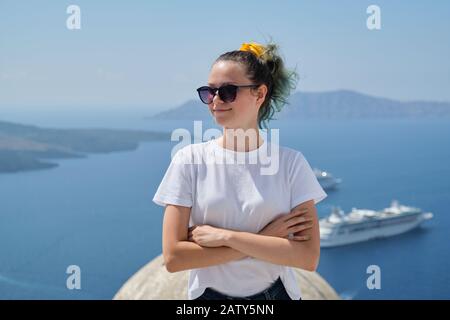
289	226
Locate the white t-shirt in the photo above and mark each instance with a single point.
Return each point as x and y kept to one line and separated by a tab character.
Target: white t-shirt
229	193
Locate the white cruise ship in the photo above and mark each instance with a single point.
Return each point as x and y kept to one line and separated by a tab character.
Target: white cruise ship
362	224
326	179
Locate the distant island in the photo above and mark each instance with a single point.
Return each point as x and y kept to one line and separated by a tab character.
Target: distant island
27	147
341	104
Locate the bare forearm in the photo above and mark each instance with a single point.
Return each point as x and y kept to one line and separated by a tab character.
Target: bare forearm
275	250
189	255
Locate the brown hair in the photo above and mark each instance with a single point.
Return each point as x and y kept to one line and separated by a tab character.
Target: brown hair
268	69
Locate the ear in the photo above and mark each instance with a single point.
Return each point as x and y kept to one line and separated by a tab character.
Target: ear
261	94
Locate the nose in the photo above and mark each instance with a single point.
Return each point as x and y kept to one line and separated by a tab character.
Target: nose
216	99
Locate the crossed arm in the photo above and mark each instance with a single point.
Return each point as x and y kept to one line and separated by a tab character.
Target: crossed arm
213	246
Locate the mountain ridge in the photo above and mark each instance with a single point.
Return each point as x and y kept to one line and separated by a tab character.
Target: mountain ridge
338	104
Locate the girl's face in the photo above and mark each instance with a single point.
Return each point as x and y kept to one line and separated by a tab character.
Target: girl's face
243	111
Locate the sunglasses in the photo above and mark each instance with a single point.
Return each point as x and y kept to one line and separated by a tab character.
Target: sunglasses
227	93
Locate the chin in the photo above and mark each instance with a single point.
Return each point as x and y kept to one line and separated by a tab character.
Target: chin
226	124
221	122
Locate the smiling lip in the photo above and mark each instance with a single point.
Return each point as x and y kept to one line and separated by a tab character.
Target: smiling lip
222	109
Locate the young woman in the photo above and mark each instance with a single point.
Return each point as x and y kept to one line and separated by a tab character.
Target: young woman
238	230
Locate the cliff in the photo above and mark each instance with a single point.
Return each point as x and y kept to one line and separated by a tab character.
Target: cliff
154	282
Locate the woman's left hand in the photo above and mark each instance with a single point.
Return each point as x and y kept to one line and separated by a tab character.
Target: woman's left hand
207	236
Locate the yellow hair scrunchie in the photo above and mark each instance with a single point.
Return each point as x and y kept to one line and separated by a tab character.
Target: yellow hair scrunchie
255	48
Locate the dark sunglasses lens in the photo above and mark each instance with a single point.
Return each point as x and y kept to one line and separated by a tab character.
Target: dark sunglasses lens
206	95
228	93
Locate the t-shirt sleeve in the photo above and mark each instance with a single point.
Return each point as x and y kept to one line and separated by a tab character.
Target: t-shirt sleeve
175	187
303	182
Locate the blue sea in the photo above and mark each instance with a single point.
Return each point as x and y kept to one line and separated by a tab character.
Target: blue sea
97	212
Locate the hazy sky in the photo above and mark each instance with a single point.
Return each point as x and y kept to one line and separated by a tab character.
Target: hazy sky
154	54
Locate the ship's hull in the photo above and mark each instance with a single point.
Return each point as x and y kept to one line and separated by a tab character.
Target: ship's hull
369	234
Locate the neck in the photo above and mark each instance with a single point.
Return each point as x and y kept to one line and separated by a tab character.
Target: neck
241	140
